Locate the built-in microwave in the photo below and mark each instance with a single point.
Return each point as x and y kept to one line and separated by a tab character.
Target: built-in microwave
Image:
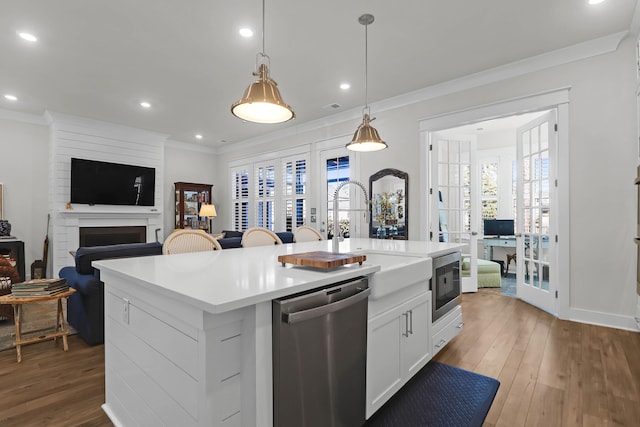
445	284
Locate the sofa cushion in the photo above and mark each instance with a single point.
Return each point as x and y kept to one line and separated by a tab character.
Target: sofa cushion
230	242
285	236
86	255
232	233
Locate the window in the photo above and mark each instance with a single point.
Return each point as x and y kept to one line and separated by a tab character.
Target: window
240	197
337	173
489	191
294	195
270	194
265	194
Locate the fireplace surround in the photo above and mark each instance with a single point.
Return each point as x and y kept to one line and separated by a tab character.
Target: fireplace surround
102	236
124	225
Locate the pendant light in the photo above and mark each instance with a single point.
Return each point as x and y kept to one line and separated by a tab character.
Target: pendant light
262	102
366	137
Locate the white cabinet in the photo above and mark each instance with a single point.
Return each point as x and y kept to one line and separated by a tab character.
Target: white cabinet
170	363
446	328
398	346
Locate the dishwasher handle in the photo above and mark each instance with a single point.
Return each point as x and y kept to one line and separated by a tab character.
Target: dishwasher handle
300	316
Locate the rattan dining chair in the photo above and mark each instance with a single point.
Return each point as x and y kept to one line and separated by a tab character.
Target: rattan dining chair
259	236
183	241
306	234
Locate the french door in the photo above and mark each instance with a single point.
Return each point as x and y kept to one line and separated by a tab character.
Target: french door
335	168
536	220
454	191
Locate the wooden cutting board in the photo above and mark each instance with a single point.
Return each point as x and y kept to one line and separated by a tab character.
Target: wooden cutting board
321	259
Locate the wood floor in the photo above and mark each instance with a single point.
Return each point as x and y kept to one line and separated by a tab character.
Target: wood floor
551	372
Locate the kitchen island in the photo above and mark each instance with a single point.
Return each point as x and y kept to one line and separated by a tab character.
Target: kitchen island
188	336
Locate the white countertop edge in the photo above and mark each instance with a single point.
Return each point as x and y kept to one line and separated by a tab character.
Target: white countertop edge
226	280
216	307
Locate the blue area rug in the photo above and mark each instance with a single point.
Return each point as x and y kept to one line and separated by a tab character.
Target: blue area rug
439	395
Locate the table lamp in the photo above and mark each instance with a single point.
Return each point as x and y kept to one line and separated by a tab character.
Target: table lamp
209	211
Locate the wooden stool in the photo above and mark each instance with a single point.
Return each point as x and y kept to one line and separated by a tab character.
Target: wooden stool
509	258
60	326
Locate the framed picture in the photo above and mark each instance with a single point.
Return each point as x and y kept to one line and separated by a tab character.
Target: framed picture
1	196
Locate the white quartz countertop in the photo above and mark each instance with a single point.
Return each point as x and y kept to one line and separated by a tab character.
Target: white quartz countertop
220	281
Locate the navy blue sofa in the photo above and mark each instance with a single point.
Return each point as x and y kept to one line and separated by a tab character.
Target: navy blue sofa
233	239
85	308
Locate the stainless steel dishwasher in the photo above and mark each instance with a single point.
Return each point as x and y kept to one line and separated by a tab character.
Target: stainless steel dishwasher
319	356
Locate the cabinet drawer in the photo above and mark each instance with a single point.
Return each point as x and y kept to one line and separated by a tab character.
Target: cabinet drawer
447	333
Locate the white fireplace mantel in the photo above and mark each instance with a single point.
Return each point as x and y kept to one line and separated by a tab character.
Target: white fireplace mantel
70	221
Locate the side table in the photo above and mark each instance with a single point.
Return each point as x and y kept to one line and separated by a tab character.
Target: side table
59	330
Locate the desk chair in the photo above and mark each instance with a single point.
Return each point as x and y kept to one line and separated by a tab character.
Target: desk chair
183	241
509	258
259	236
306	234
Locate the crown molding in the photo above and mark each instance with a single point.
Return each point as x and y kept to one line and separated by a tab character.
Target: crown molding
60	119
543	61
635	22
191	146
34	119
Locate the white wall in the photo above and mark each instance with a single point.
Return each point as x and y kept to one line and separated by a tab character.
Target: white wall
188	163
24	157
24	164
603	157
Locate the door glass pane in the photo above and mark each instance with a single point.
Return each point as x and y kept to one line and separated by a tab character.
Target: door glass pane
337	172
535	140
544	136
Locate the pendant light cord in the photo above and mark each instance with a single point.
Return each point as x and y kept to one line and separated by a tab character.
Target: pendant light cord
366	66
263	13
365	20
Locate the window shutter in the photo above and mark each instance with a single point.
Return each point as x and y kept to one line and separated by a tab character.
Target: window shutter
293	202
265	195
240	197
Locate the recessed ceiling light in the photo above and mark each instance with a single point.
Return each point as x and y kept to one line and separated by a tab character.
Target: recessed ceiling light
11	97
27	36
246	32
145	104
345	86
198	136
595	1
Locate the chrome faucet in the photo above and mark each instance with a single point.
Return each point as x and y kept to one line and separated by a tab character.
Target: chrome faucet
335	241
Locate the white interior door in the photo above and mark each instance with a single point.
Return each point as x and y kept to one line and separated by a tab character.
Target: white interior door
454	199
536	219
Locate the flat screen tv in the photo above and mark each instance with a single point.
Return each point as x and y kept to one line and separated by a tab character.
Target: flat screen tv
102	183
498	227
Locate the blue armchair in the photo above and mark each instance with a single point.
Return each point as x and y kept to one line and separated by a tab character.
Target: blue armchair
85	308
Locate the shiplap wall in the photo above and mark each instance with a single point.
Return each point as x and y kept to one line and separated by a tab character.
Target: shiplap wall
95	140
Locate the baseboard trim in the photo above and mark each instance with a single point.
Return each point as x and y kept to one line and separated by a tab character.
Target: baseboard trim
608	320
107	410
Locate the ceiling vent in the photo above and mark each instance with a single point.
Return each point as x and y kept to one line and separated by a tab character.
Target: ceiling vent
333	106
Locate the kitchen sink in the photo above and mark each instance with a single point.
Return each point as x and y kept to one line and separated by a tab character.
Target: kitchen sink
396	271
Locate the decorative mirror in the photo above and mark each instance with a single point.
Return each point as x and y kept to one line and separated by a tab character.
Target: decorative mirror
389	212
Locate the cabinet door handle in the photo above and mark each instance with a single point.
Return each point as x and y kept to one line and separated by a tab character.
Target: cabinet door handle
410	331
441	343
406	324
460	325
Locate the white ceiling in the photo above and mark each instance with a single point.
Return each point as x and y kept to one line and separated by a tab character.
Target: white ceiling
99	59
